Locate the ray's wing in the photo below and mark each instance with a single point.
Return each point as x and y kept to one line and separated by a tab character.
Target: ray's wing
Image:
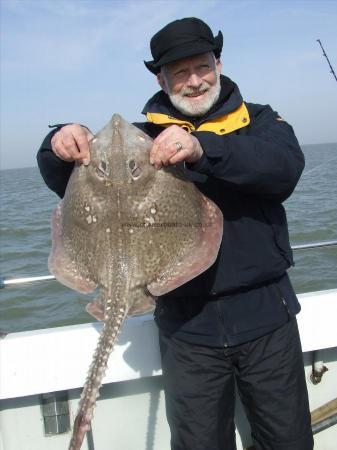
175	233
198	253
61	265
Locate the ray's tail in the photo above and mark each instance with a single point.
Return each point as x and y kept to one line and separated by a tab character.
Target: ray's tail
95	376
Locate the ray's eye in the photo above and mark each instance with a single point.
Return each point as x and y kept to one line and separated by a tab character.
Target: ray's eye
132	164
135	170
101	170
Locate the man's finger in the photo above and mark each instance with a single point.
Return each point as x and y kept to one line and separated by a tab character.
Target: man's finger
153	152
157	157
71	147
82	143
162	136
87	138
83	146
77	145
61	152
170	151
178	157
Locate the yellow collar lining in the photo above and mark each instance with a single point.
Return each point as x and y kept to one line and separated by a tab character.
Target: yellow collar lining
228	123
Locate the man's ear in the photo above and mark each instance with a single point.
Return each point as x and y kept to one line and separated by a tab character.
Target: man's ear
218	64
161	82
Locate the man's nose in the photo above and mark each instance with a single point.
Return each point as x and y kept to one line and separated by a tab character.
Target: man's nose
194	81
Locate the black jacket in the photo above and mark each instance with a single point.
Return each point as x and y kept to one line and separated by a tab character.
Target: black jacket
248	173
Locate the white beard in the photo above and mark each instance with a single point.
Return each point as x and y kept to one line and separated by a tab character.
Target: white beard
196	108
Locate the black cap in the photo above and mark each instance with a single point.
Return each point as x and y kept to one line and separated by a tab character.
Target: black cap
180	39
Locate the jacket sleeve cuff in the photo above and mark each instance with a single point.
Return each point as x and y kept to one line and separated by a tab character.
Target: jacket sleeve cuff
201	166
214	148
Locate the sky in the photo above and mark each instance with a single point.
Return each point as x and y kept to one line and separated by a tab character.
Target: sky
81	61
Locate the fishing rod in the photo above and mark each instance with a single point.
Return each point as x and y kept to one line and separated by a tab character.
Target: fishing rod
326	56
17	281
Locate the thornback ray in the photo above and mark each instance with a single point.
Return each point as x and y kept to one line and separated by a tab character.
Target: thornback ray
132	231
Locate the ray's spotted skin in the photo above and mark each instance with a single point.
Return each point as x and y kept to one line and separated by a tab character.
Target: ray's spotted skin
133	231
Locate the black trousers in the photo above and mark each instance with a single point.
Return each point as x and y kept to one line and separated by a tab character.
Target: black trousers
200	392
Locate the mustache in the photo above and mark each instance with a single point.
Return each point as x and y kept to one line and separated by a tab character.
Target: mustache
194	91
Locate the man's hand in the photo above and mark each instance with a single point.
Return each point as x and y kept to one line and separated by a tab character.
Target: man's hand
173	145
71	143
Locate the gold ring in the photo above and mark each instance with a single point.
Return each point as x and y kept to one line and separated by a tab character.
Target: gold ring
179	146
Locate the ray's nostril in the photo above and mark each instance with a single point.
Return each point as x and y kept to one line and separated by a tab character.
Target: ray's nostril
135	169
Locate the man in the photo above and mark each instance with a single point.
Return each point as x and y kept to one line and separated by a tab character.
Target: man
236	320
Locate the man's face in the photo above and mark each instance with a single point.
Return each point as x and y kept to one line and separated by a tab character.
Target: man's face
193	84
